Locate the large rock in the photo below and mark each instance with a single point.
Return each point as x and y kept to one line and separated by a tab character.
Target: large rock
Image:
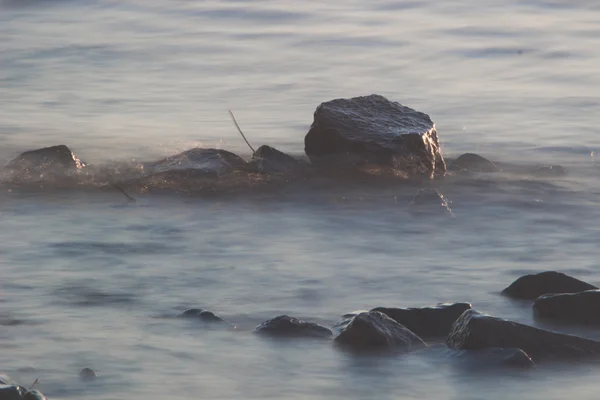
374	330
285	326
531	287
474	331
268	160
427	321
473	163
47	158
11	392
582	307
210	161
373	130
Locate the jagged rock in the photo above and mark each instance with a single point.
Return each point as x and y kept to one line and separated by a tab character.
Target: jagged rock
373	130
430	201
210	161
202	315
374	330
47	158
474	331
267	159
87	374
531	287
427	321
582	307
473	163
285	326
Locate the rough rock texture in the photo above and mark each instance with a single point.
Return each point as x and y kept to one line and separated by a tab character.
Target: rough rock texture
202	315
285	326
34	395
373	130
374	330
55	157
582	307
268	160
474	331
473	163
207	160
427	321
533	286
11	392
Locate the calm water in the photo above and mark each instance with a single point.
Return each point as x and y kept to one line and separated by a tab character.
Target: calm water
87	280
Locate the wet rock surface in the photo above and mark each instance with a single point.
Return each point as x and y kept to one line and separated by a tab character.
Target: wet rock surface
373	130
209	161
268	160
374	330
427	321
48	158
582	307
471	162
530	287
11	390
286	326
475	331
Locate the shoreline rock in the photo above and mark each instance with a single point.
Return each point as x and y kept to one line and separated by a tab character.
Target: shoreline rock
286	326
530	287
582	307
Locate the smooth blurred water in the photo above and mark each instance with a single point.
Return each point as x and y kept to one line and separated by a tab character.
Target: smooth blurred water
87	280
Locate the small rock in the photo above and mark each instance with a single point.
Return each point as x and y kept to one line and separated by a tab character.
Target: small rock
373	130
47	158
427	321
374	330
474	331
531	287
268	160
87	374
582	307
285	326
209	161
473	163
202	315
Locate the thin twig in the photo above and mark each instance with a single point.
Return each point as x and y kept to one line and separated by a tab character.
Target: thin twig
120	189
240	131
35	383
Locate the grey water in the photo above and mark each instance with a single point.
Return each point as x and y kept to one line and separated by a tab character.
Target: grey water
90	280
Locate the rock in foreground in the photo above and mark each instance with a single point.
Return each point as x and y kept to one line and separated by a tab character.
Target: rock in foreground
531	287
474	331
285	326
47	158
374	330
582	307
373	130
427	321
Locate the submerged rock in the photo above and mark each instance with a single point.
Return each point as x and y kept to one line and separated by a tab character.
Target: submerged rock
202	315
430	201
268	160
531	287
285	326
494	356
471	162
374	330
373	130
582	307
210	161
87	374
427	321
474	331
47	158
